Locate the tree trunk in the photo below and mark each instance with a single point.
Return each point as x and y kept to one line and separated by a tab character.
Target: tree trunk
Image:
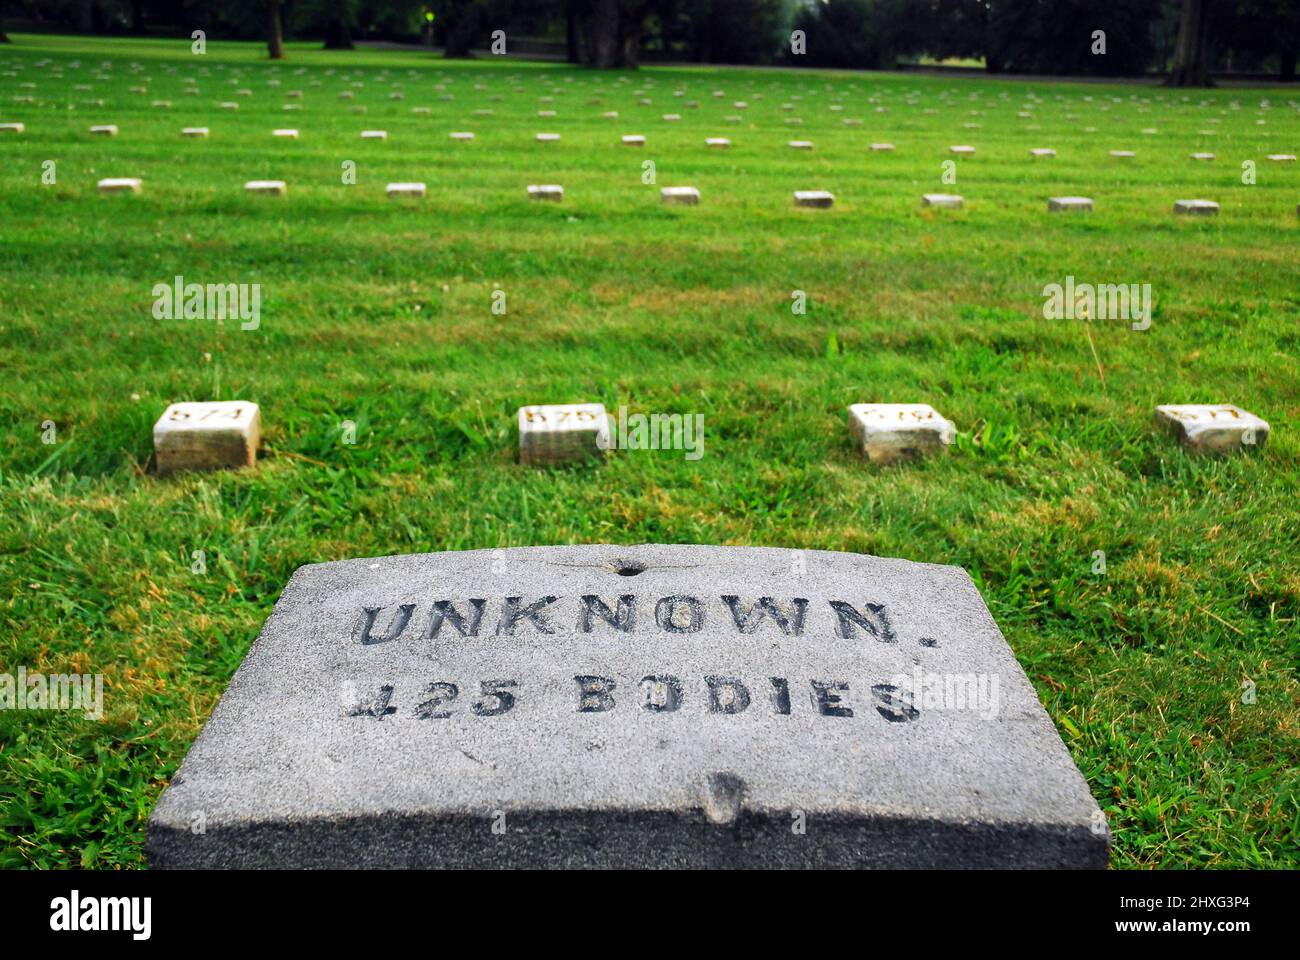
274	31
604	28
1190	68
338	35
571	31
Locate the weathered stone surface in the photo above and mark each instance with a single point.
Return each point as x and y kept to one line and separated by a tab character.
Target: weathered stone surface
645	706
887	432
207	436
561	433
1212	428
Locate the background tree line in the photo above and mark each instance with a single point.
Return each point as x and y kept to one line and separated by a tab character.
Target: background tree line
1186	38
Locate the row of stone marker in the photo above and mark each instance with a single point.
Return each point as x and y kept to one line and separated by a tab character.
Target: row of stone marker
226	434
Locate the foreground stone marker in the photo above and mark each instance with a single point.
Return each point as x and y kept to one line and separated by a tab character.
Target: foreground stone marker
207	436
194	131
888	432
104	130
644	706
12	127
562	433
1212	428
546	191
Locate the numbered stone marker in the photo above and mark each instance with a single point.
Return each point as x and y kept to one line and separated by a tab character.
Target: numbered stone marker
104	130
374	134
634	140
207	436
1069	203
546	191
1202	208
888	432
1201	156
962	148
643	706
285	133
1042	152
950	200
406	190
12	128
1123	154
800	144
548	137
462	135
121	185
1212	428
195	132
273	187
820	199
683	196
721	143
562	433
882	147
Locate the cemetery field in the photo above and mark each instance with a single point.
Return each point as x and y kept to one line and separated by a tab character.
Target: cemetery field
1150	595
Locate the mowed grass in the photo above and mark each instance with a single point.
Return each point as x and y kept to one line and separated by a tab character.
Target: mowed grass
379	312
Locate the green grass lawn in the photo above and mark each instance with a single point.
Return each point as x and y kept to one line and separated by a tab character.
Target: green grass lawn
379	312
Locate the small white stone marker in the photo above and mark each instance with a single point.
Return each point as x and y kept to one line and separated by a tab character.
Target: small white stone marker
634	140
207	436
961	148
800	144
406	190
1069	203
899	431
229	105
546	191
562	433
1042	152
672	117
104	130
684	196
1123	153
286	133
1201	156
276	187
950	200
12	128
1212	428
1204	208
462	135
1282	157
194	131
722	143
882	147
121	185
610	114
374	134
547	137
820	199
